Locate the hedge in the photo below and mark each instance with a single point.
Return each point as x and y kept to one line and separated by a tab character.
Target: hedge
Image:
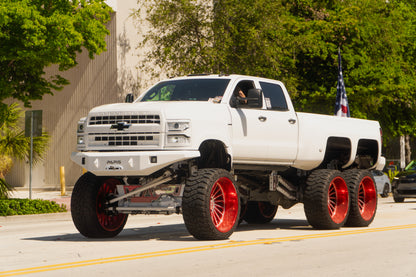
29	206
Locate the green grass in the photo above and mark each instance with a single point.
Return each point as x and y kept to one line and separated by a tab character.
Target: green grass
29	206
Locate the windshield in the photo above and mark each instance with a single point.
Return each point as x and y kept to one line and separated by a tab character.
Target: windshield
188	90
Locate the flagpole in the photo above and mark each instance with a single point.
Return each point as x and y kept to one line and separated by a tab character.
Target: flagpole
341	103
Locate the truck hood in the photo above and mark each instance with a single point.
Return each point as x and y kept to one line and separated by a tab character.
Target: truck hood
169	110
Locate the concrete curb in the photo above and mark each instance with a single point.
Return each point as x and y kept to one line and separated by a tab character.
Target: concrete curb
35	217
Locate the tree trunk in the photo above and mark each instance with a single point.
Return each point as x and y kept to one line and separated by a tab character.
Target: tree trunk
408	149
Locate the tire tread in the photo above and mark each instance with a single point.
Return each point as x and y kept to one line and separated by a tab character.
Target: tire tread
195	204
353	178
316	199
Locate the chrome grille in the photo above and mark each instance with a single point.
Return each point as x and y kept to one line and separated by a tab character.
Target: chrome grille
125	139
131	119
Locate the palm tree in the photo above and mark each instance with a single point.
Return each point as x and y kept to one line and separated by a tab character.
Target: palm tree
14	145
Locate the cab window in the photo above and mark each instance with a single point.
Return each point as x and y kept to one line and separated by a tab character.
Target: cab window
274	96
241	90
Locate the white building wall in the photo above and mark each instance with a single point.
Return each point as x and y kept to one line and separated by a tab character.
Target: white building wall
131	27
127	56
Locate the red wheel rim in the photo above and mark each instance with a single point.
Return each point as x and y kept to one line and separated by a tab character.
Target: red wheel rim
109	222
338	200
223	204
367	198
267	210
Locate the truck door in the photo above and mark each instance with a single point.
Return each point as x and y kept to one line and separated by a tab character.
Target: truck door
268	134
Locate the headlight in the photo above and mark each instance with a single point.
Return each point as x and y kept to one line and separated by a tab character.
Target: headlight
178	133
178	139
80	133
80	140
81	125
80	128
179	126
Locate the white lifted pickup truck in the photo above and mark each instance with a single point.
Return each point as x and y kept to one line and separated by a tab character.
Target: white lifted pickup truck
221	149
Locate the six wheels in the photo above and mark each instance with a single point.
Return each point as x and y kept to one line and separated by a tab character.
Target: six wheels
259	212
88	211
210	204
363	197
211	208
326	199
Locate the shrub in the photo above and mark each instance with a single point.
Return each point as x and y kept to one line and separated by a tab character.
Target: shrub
391	174
29	206
5	189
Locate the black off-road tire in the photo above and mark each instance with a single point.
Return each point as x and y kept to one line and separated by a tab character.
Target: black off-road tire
258	212
363	197
326	199
210	204
87	207
397	199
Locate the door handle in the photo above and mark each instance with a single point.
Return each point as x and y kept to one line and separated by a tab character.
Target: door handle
262	118
292	121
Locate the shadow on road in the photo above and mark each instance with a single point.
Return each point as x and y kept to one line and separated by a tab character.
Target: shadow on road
175	232
405	202
285	224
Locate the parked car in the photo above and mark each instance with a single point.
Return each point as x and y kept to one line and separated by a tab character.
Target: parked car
382	183
404	184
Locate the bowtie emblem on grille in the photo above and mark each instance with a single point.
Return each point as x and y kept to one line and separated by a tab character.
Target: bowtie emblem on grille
120	126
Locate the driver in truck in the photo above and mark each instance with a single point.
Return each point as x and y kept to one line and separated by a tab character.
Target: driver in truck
238	92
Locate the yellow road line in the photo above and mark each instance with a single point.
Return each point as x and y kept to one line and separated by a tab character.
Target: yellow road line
199	249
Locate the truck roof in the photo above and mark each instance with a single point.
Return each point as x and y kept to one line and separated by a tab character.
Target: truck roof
228	76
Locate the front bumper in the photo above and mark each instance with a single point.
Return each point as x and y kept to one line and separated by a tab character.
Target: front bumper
131	163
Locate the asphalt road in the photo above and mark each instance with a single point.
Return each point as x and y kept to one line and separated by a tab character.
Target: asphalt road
49	245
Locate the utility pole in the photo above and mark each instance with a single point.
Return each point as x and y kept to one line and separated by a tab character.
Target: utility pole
33	128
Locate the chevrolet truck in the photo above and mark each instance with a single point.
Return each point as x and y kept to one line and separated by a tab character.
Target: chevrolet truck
195	145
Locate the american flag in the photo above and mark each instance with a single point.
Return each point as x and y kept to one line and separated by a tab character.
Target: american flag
341	104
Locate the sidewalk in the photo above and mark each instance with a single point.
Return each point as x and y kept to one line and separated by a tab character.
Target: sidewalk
44	194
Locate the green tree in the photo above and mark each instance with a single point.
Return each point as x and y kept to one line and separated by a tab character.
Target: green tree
296	41
378	50
252	38
14	145
183	30
35	34
224	36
